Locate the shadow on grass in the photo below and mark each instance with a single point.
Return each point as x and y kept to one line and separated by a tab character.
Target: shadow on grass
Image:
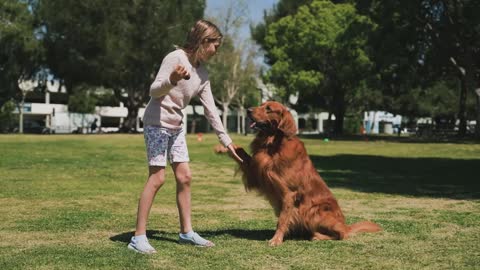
151	234
398	139
430	177
250	234
258	235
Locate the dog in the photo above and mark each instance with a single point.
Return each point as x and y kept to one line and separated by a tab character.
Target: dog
280	169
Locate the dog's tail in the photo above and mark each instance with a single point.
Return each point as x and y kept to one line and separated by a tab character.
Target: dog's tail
363	226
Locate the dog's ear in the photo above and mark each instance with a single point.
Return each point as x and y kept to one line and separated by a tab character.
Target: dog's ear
287	124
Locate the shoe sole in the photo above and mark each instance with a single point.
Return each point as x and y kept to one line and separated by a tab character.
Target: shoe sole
189	242
139	251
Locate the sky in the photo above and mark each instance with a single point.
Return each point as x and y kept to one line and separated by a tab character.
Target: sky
254	12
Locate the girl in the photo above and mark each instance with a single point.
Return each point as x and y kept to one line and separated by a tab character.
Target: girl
182	76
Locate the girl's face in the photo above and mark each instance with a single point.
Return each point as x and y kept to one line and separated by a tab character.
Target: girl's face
210	47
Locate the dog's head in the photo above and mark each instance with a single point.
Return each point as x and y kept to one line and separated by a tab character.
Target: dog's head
271	117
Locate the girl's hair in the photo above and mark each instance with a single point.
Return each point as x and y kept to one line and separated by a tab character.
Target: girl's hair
203	31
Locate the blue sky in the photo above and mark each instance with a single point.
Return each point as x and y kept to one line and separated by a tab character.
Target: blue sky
255	11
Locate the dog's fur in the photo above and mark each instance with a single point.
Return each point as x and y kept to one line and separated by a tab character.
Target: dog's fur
280	169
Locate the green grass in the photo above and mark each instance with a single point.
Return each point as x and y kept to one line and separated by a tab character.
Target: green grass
69	202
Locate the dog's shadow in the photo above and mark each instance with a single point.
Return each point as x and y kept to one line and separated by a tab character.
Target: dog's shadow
255	235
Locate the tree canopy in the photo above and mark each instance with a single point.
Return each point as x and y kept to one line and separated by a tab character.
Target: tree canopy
321	53
20	51
233	70
119	45
414	58
408	48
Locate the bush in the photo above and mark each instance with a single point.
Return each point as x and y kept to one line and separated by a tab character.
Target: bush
7	118
352	125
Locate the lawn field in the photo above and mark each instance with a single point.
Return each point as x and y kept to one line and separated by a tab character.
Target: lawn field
69	202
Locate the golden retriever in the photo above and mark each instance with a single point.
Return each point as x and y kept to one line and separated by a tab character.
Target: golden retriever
280	169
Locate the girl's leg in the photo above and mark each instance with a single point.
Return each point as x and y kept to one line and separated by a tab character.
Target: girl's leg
155	181
183	177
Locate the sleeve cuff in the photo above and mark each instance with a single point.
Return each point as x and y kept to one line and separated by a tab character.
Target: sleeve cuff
226	141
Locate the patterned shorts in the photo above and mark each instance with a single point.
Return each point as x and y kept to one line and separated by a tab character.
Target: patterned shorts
162	143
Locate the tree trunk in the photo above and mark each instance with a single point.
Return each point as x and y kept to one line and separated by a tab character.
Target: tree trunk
193	129
462	109
239	128
339	111
194	126
224	115
133	102
466	71
129	125
83	128
20	113
339	119
241	116
477	124
372	123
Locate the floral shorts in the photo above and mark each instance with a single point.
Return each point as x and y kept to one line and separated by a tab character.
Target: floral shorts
162	143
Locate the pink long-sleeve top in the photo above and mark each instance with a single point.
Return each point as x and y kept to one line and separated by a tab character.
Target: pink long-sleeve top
167	100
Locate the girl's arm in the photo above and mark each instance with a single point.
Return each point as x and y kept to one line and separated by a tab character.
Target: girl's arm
162	85
212	116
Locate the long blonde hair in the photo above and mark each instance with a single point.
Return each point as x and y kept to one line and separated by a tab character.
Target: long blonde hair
202	31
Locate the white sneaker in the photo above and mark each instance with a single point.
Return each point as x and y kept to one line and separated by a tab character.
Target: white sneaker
141	246
195	240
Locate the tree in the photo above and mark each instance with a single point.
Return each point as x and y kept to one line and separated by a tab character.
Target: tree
19	51
248	94
282	9
119	45
320	51
25	86
230	75
82	101
233	70
417	44
7	119
453	29
138	43
73	34
395	49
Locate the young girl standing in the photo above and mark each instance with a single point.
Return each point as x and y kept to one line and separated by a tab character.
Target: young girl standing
182	75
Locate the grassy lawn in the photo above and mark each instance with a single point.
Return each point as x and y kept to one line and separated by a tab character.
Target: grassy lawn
69	202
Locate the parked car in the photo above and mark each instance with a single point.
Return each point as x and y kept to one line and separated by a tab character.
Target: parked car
36	127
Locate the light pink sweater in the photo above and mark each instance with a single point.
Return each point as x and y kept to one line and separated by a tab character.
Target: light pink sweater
167	101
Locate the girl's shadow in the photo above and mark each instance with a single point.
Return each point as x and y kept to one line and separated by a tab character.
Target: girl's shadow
151	234
256	235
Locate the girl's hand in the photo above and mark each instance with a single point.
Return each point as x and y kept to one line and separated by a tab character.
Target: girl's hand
180	72
231	149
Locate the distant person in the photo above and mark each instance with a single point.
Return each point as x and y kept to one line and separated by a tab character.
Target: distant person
93	126
362	129
182	76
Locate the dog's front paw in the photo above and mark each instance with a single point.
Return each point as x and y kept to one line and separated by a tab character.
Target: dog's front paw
275	241
243	154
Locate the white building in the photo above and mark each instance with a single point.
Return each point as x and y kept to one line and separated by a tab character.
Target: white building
56	117
47	117
376	122
313	123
